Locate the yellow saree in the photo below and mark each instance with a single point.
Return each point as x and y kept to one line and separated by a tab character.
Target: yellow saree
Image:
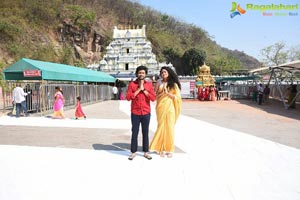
167	111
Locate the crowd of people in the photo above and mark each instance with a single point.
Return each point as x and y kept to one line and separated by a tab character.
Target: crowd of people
168	107
208	93
261	94
22	100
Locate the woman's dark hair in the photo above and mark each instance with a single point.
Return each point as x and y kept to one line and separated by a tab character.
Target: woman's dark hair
78	98
139	68
59	88
173	78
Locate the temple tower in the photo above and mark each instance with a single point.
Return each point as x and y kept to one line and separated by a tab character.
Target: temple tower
204	77
128	50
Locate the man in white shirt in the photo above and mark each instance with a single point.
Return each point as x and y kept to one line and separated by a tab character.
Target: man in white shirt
19	100
115	92
260	93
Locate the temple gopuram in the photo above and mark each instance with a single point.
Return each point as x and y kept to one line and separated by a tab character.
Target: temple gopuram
204	77
128	50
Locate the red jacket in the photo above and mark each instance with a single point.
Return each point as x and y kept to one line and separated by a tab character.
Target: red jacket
140	104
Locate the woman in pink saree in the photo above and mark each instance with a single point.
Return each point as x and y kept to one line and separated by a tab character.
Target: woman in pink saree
168	108
58	106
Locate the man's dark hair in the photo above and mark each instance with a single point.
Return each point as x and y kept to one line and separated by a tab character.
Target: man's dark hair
139	68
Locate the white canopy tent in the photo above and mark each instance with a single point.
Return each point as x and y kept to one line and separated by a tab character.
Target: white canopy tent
282	74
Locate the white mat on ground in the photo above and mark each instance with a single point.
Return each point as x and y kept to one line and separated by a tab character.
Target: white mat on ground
218	163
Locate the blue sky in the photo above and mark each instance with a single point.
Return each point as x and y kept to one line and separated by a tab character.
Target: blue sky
249	32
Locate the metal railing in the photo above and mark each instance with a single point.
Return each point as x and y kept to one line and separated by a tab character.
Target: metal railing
246	92
41	96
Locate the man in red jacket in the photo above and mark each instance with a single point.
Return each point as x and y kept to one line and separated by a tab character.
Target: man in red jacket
140	92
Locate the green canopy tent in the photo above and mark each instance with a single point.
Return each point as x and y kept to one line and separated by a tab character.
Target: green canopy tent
27	69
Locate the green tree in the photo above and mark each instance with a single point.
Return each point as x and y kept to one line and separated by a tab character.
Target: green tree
170	54
79	15
218	66
164	18
274	54
41	12
9	31
1	71
193	58
294	53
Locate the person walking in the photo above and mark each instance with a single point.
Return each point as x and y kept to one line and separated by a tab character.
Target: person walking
266	94
218	89
140	92
168	108
19	99
260	90
254	93
115	92
78	109
58	106
28	97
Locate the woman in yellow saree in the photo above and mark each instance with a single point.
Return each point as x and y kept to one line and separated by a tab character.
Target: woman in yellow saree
168	107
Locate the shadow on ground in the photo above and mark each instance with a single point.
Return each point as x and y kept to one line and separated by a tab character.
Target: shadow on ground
123	147
275	107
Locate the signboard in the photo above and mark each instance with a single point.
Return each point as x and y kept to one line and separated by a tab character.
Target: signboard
187	89
192	85
32	73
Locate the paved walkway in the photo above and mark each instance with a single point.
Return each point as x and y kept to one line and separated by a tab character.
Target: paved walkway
216	157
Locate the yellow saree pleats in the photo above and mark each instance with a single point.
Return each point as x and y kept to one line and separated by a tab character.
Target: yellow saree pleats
167	111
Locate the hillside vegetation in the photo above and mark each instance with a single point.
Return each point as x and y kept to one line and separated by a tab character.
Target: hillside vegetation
76	32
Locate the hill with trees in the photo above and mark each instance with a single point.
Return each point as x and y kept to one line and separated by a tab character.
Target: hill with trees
76	32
